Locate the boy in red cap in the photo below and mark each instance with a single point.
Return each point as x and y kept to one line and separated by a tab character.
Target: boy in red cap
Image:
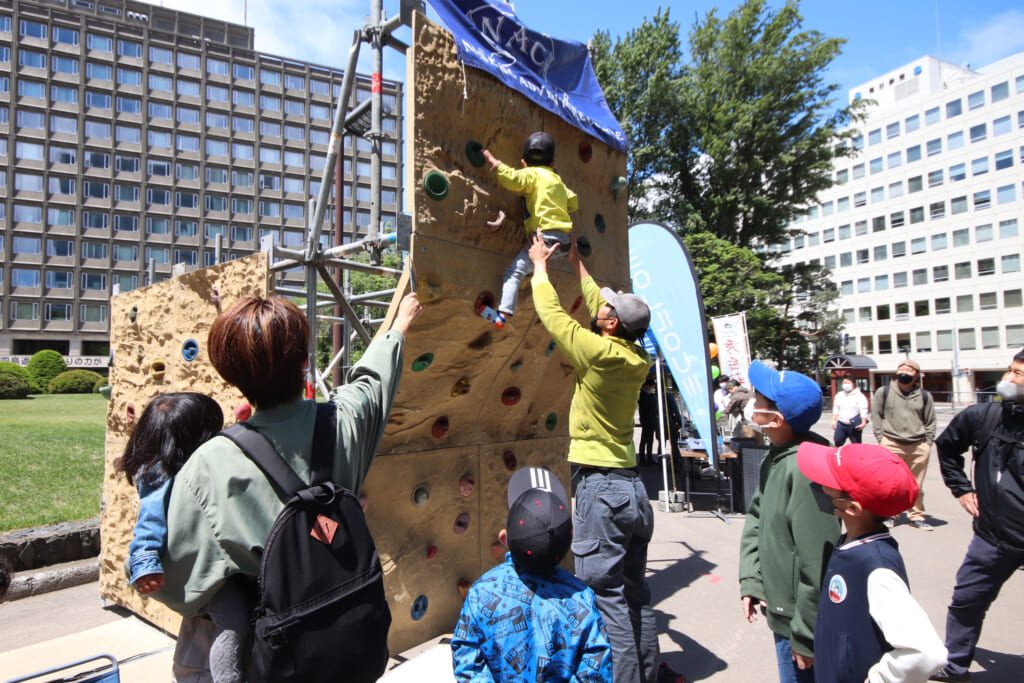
867	620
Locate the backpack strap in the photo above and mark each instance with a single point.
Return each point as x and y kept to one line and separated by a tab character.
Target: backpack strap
276	469
258	448
988	428
325	433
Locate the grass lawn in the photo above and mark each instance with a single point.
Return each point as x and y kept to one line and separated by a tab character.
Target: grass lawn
51	459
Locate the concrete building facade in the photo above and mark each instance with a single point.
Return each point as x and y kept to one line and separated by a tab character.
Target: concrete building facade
923	228
133	135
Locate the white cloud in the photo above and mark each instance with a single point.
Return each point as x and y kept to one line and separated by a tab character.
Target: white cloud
983	42
317	31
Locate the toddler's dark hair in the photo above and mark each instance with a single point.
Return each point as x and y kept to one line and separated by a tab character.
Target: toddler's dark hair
171	427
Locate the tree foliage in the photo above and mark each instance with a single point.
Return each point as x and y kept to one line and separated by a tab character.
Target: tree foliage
44	365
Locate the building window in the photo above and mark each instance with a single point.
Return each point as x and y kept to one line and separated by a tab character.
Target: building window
99	43
957	172
979	132
986	266
242	151
158	197
846	287
917	215
875	165
958	205
954	108
92	313
920	276
1008	228
982	200
160	55
158	254
944	340
913	154
186	171
858	171
294	108
188	61
243	98
216	93
186	228
216	67
934	147
937	210
976	100
1001	126
61	65
1012	298
844	232
860	199
128	48
243	206
1004	159
270	103
962	271
921	308
961	238
1006	194
988	301
129	77
187	88
270	77
863	285
158	226
216	203
943	306
240	233
894	160
96	282
31	29
1000	91
966	339
129	105
1014	335
915	184
126	223
955	140
241	178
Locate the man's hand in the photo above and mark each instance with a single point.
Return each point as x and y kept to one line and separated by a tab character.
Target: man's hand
969	502
491	159
408	310
750	606
834	421
149	583
803	663
540	253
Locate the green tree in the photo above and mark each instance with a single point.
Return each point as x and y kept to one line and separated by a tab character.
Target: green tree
44	365
760	127
640	76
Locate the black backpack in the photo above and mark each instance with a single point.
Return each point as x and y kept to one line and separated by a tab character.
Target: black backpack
321	613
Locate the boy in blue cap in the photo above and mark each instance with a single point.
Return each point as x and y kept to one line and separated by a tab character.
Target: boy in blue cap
528	619
786	538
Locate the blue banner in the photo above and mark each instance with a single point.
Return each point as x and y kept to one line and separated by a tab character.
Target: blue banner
664	277
555	74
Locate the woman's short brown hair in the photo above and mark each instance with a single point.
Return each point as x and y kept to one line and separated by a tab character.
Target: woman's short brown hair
259	345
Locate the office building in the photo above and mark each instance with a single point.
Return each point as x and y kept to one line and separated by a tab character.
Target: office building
922	230
131	134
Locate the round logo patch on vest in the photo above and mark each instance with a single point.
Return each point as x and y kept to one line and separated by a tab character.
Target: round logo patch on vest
837	589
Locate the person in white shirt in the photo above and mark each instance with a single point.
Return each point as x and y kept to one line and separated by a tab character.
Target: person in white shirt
849	413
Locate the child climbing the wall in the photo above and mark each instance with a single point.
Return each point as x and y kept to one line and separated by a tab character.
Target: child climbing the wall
548	203
171	427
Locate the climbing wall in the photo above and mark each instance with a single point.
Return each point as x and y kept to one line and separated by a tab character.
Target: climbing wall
475	402
158	338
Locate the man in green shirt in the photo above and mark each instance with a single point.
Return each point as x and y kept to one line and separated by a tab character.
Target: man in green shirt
612	518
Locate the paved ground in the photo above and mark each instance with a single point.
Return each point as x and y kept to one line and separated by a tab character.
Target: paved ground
693	567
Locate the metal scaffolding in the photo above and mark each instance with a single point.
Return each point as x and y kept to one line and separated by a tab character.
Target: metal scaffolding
317	262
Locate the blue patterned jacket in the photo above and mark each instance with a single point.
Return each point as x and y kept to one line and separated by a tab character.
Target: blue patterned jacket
518	626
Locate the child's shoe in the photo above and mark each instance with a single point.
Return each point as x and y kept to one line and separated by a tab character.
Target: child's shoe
499	320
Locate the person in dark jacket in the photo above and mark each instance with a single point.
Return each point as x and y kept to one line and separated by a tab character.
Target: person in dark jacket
647	406
995	501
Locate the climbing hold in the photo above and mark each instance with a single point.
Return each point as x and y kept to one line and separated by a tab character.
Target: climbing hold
599	223
105	391
474	153
511	396
464	587
440	427
466	484
617	186
551	348
190	349
436	185
510	459
139	352
462	523
133	314
419	607
551	422
157	369
575	305
515	366
461	387
583	246
243	411
431	552
422	362
496	224
129	412
421	494
586	152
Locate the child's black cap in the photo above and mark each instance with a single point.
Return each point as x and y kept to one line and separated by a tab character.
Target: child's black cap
539	522
539	150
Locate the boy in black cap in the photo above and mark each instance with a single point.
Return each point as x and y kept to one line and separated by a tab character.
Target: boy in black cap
528	619
548	204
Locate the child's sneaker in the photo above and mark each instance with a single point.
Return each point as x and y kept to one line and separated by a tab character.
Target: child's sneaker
499	320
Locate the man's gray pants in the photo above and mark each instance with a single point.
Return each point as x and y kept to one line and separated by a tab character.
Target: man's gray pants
612	526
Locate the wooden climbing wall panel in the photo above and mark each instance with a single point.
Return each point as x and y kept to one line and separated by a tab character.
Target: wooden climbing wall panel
450	423
152	332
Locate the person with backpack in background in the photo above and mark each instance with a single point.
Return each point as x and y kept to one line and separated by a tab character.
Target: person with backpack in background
903	416
222	506
995	501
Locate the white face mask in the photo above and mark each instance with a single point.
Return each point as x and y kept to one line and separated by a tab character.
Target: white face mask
1008	391
847	388
748	415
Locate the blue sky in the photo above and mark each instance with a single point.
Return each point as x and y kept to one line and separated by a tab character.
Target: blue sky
882	34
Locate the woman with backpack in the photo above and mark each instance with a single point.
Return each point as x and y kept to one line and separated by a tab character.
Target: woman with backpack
222	506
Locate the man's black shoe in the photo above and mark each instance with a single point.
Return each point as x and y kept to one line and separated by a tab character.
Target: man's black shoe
944	675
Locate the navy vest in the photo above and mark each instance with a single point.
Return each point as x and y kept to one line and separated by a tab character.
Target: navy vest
846	640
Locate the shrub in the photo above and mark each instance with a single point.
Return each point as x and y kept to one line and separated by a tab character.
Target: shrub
12	386
15	369
44	365
75	382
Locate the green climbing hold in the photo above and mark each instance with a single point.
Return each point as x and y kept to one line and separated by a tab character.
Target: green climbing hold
436	185
422	362
551	422
474	152
599	223
551	348
515	366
